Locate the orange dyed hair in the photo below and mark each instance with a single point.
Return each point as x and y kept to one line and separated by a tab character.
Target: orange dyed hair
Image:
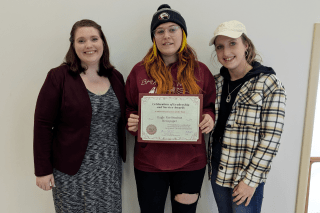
158	71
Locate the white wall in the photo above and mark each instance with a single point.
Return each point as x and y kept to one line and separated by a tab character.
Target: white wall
34	38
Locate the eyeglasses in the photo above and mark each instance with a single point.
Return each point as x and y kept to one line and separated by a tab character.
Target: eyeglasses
159	33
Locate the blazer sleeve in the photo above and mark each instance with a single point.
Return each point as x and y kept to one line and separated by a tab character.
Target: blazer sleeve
46	113
118	85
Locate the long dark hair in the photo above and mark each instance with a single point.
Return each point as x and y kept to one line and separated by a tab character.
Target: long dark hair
72	59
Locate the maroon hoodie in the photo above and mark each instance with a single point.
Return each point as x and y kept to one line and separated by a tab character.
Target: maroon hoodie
153	157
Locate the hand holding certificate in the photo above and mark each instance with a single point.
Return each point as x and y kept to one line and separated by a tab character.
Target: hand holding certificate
170	118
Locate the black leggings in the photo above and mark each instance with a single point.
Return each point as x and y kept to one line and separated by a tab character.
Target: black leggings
152	188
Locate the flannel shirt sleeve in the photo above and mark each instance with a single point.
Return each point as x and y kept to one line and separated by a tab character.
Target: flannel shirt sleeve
272	121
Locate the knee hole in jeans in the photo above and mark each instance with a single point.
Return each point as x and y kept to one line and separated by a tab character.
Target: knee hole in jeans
186	198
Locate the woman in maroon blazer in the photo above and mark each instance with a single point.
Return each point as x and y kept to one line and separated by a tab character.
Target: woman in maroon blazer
79	127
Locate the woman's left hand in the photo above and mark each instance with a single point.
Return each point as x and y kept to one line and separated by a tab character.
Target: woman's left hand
206	124
242	192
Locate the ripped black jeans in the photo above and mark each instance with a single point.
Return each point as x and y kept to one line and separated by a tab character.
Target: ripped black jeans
152	189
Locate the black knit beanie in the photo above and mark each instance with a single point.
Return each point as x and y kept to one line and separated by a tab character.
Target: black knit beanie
166	14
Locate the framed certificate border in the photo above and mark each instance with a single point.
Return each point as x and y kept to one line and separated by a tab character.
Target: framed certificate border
199	141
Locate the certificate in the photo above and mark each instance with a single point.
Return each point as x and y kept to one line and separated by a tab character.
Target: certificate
170	118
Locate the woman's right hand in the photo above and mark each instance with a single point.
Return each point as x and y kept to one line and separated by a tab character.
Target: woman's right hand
43	182
133	122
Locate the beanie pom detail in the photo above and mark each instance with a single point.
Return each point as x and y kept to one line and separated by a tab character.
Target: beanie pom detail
164	6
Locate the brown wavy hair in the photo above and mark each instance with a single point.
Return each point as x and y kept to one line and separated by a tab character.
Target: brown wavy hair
158	71
74	62
252	53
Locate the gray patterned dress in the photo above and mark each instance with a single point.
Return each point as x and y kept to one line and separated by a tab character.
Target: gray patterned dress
96	188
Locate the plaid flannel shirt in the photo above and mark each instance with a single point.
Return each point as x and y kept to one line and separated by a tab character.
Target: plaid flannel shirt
252	133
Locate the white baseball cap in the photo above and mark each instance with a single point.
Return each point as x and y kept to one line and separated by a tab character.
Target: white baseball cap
232	29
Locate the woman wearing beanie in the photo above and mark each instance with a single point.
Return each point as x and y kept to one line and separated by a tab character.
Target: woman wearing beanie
170	67
250	110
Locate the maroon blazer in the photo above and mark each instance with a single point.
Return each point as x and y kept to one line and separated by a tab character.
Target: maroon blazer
62	121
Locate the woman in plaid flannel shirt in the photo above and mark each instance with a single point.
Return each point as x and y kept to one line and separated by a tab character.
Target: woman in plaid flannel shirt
250	110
